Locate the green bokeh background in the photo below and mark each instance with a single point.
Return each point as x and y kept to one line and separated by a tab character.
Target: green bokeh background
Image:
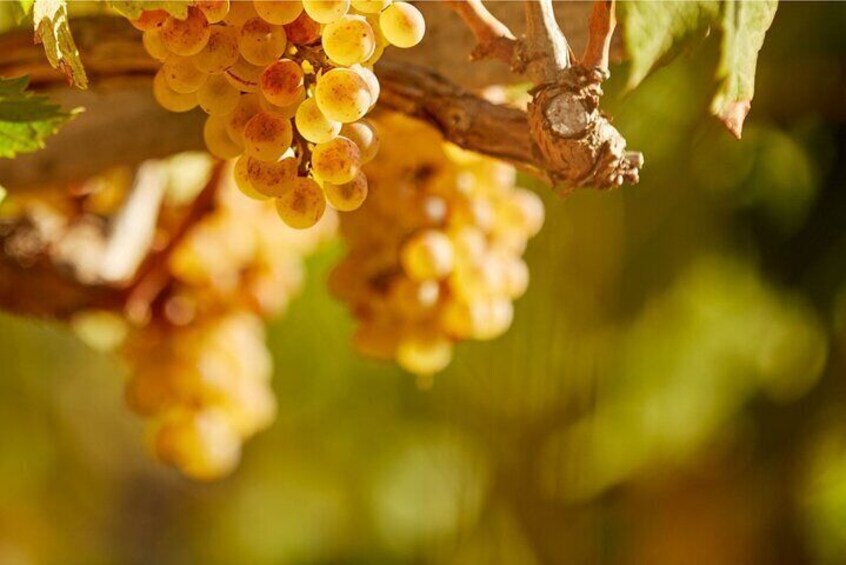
671	391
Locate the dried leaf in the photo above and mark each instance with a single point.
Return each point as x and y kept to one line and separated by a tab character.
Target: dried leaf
52	29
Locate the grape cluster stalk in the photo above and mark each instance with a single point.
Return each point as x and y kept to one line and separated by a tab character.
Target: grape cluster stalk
286	85
200	372
435	253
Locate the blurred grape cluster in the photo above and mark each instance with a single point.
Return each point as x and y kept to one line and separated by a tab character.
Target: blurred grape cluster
670	392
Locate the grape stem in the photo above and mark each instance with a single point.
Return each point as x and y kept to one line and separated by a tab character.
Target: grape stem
603	21
494	39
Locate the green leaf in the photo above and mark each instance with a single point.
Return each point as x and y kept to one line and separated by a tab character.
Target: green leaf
744	23
52	29
26	7
132	8
655	32
26	119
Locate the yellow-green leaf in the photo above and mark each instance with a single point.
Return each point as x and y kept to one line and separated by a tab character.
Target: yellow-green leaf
52	29
26	119
744	23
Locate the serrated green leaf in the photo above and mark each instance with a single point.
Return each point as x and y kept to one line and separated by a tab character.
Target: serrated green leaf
26	119
132	8
655	32
52	29
744	24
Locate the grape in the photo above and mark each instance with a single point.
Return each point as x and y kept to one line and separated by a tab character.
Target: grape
349	40
313	125
242	179
342	95
524	211
302	205
303	30
150	20
423	354
152	41
239	12
202	444
244	76
214	10
326	11
267	136
370	6
182	76
282	82
371	80
278	12
262	43
220	52
217	139
288	111
271	179
217	97
186	37
363	134
348	196
428	255
337	161
168	98
402	24
247	107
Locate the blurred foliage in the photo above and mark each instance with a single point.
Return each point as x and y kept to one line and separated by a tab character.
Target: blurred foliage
671	390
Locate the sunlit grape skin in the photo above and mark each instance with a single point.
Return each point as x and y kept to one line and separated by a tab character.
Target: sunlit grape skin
402	24
349	40
262	43
348	196
282	82
186	37
267	136
313	125
168	98
337	161
217	97
220	52
326	11
342	95
303	205
278	12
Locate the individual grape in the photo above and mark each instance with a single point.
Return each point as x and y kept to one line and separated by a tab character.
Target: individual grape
428	255
349	40
186	37
217	139
288	111
326	11
239	12
402	24
424	354
247	107
262	43
337	161
271	179
217	97
220	52
152	41
214	10
182	76
343	95
242	179
278	12
303	205
303	30
370	6
244	76
150	20
282	82
363	134
203	445
313	125
168	98
371	80
523	210
267	136
348	196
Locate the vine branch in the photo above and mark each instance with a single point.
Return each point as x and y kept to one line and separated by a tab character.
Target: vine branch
494	39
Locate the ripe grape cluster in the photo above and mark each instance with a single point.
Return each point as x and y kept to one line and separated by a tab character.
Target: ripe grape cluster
434	255
200	371
286	85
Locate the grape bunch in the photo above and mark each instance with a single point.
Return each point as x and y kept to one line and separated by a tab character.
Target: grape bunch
286	85
200	371
434	255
